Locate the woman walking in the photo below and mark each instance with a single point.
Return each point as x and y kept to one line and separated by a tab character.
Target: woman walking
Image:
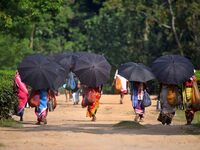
169	99
90	100
120	85
22	93
137	94
190	94
41	109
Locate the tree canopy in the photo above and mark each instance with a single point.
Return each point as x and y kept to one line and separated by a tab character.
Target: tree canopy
121	30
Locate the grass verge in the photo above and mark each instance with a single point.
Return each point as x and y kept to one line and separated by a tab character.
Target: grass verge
193	129
181	117
10	123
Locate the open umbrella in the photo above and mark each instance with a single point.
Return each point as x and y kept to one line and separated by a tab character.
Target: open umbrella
39	72
135	72
172	69
92	70
66	60
61	78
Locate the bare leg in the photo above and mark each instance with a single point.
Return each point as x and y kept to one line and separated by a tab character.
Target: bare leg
21	117
94	116
189	116
70	95
66	94
136	117
121	98
141	117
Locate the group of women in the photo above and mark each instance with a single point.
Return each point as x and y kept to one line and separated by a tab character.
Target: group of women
185	96
91	96
40	99
170	97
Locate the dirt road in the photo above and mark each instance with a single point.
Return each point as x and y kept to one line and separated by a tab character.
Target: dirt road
69	129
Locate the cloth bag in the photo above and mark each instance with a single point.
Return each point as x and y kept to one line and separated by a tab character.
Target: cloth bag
93	95
158	105
50	105
34	101
146	102
196	95
173	96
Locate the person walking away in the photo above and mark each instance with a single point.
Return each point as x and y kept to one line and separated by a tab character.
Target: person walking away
22	93
76	91
90	100
52	103
120	85
137	94
190	101
41	109
68	87
169	99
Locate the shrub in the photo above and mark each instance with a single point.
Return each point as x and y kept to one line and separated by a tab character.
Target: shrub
10	123
8	99
197	73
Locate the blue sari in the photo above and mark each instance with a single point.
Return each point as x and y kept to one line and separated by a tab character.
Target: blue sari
41	111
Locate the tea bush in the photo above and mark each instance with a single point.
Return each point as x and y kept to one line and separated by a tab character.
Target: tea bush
8	98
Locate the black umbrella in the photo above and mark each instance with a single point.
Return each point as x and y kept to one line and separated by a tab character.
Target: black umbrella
93	70
61	78
80	54
135	72
172	69
66	60
39	72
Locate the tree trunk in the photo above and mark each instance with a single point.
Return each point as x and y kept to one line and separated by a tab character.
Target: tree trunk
174	29
146	32
32	37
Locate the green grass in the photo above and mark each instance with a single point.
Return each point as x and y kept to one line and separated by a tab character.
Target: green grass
129	125
10	123
193	129
181	117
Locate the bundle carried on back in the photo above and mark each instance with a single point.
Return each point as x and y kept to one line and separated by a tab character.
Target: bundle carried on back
118	85
173	97
196	95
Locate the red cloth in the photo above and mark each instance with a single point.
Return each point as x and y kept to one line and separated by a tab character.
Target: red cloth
22	91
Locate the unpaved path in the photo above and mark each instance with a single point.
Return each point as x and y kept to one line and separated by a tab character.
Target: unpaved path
69	129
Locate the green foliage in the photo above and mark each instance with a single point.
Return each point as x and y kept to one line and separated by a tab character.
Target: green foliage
181	116
197	74
8	99
121	30
10	123
12	51
14	13
108	89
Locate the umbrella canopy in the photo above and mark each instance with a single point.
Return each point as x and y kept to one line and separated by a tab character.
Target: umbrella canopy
66	60
38	72
92	70
172	69
61	78
135	72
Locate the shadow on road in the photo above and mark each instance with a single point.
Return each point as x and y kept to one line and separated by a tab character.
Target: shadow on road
83	126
